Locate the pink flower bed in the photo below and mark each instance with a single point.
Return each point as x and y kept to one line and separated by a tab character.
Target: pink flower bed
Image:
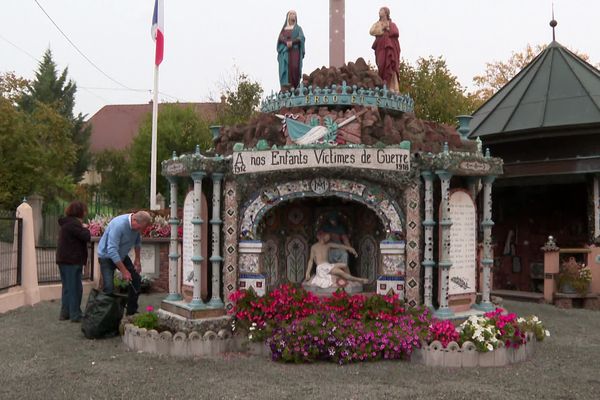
301	327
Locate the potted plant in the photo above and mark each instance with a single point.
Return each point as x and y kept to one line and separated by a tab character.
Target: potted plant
146	284
574	277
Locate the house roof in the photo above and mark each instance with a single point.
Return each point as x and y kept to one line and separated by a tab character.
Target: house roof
556	89
115	126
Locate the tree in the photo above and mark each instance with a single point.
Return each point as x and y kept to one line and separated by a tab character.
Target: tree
498	73
114	167
437	93
58	92
12	86
242	98
125	175
36	152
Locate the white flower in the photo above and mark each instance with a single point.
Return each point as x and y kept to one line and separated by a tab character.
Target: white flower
521	320
534	319
252	328
490	347
547	332
250	337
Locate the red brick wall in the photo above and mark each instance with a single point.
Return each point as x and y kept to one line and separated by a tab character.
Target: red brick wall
162	283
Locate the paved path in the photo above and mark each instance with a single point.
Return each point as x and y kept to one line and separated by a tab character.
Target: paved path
42	358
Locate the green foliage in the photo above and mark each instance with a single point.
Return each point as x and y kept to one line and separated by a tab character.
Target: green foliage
12	86
50	88
120	283
180	129
241	99
113	165
148	320
36	153
437	93
58	92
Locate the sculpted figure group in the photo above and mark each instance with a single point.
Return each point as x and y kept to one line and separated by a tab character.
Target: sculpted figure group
291	50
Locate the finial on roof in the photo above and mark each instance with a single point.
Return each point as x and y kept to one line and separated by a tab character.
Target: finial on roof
553	24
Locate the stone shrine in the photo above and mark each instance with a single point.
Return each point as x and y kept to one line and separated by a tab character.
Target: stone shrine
340	154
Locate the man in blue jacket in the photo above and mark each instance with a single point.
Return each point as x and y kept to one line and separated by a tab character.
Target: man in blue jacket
121	234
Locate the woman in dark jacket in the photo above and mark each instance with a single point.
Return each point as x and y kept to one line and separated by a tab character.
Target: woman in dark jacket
71	255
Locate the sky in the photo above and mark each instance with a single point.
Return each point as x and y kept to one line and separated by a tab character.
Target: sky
206	42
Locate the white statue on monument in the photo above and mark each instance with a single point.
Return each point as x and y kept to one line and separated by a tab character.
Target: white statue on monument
328	275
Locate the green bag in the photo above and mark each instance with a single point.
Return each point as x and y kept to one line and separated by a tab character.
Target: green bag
103	314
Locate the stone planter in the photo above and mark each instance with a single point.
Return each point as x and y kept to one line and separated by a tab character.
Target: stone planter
435	355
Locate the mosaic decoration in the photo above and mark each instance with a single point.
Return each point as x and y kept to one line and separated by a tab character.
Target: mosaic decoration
393	284
296	253
393	264
387	210
248	263
271	261
413	235
319	185
368	256
295	216
255	282
230	243
336	95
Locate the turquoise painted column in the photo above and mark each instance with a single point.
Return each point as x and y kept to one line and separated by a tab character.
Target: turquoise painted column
473	183
444	253
215	258
428	224
487	261
174	294
197	258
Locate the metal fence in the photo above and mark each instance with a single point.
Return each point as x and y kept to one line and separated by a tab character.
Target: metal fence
11	239
45	250
48	271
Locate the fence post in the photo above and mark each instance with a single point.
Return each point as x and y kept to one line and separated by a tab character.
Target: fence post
29	275
551	268
593	263
36	202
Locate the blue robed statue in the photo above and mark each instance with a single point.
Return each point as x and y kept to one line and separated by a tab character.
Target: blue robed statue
290	52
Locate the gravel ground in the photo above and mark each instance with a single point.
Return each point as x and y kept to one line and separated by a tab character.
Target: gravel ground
42	358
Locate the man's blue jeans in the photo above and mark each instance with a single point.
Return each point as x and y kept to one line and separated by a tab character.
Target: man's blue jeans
107	268
72	289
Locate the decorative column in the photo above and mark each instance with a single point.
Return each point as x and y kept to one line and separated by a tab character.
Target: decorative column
444	254
551	268
174	294
473	183
429	224
197	258
215	259
596	210
487	260
250	266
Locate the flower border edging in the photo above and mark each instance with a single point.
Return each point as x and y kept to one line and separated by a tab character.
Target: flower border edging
180	344
466	356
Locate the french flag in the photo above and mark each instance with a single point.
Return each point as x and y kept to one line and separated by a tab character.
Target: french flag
158	30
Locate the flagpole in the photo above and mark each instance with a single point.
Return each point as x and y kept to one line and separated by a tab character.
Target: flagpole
153	205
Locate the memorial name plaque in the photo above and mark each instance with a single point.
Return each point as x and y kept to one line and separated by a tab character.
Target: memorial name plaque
188	240
148	258
463	244
391	159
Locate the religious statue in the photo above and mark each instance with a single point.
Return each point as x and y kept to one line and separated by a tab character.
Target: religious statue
338	235
329	275
387	49
290	52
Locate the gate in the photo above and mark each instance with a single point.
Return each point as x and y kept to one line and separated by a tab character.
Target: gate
11	243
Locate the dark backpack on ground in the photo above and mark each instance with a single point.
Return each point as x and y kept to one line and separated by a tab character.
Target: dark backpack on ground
103	314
